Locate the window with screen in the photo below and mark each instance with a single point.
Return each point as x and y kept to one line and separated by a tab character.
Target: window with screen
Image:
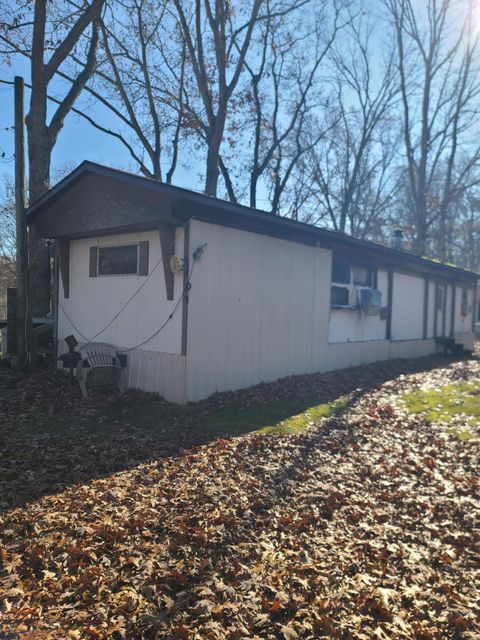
340	296
346	280
117	260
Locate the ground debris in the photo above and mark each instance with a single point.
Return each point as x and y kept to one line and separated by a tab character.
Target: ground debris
365	526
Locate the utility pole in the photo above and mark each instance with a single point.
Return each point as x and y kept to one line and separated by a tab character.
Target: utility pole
23	320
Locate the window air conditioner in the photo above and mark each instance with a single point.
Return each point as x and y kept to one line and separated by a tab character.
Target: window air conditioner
369	300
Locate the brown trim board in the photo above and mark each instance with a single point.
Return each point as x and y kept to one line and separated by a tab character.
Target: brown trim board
56	293
167	244
63	255
182	204
452	311
425	307
444	312
474	307
388	329
186	272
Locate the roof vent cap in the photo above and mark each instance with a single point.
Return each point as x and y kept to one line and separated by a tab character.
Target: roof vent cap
398	239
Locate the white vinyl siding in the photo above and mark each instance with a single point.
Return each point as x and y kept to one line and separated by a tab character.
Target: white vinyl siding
94	301
407	307
258	310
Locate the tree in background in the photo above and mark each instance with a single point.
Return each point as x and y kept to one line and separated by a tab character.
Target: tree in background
326	111
285	90
217	36
439	81
7	241
178	72
51	35
351	182
141	80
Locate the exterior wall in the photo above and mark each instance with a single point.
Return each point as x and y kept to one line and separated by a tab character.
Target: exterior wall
407	307
258	310
162	373
462	325
93	302
92	199
348	325
343	355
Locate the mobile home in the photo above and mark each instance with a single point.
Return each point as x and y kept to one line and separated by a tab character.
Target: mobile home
204	295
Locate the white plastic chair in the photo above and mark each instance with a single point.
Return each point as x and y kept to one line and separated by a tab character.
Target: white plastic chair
101	357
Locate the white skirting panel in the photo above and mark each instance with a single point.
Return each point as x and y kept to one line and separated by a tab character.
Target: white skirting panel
412	348
352	354
467	340
162	373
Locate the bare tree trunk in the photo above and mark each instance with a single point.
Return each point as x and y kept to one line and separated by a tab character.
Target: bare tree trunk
39	153
210	34
422	234
228	181
42	133
438	77
39	150
212	172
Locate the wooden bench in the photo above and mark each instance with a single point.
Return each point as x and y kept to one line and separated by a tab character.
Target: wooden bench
102	364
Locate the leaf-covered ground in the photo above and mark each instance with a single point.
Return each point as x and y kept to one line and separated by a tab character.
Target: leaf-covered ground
129	518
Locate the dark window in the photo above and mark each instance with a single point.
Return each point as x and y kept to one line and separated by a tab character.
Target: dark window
339	297
353	277
341	273
118	260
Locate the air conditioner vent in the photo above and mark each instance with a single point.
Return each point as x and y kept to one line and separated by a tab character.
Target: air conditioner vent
369	300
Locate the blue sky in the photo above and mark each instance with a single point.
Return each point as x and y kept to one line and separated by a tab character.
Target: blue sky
77	141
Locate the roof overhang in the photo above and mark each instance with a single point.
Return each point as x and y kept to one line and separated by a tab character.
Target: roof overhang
95	200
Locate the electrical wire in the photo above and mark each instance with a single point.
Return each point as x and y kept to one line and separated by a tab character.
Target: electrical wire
72	323
196	256
122	309
186	288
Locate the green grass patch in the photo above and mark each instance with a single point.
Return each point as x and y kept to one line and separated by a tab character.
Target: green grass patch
168	420
461	434
277	417
448	404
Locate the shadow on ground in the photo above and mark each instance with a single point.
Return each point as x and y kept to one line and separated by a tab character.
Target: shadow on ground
51	439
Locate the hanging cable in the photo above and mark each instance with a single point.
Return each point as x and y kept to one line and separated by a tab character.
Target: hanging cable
72	324
122	309
186	288
196	256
